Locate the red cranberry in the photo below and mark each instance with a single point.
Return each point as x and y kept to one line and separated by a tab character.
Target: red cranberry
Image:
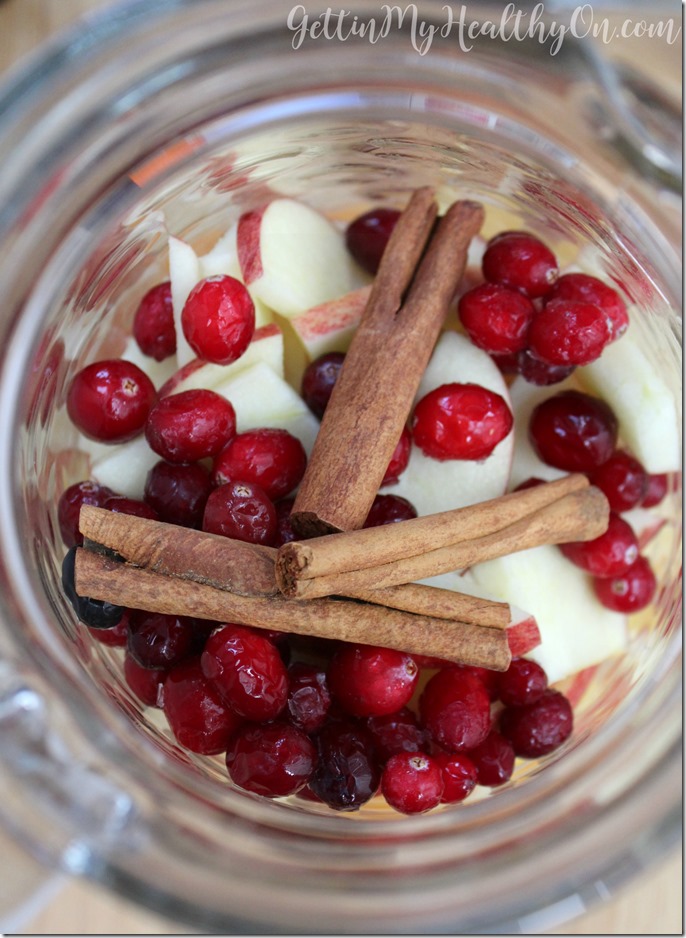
178	492
273	760
399	459
367	236
541	373
115	637
412	782
456	709
591	290
387	509
496	318
487	677
460	421
284	529
153	324
539	728
318	380
110	400
370	681
521	261
308	697
273	459
656	490
523	683
241	510
130	506
146	683
189	426
623	480
396	732
573	431
569	332
218	319
494	760
629	592
459	776
160	641
247	671
346	775
198	718
609	555
69	508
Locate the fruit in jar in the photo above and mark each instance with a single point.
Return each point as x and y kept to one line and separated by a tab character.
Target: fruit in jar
110	400
520	260
367	235
192	425
573	431
460	421
218	319
153	323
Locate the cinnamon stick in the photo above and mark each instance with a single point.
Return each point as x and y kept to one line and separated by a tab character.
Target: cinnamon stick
390	350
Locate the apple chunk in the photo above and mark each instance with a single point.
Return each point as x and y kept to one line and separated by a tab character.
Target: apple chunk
184	273
125	469
158	372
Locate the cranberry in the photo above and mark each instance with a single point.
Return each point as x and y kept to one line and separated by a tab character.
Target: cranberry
273	760
623	480
656	490
494	760
591	290
160	641
178	492
460	421
197	716
247	671
387	509
609	555
521	261
396	732
399	459
218	319
241	510
153	324
346	775
115	637
523	683
318	380
459	776
69	508
573	431
629	592
273	459
94	613
456	709
308	697
367	236
412	782
110	400
539	728
130	506
284	529
189	426
569	332
541	373
370	681
146	683
496	318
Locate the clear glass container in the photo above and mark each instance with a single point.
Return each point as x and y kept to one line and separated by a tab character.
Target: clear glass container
174	117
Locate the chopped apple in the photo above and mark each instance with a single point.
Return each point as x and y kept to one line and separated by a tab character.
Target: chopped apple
125	469
184	273
526	464
432	485
646	524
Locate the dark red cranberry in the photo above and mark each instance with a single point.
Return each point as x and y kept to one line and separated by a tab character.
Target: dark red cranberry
455	707
367	236
459	776
656	490
160	641
569	332
308	696
523	683
347	774
399	459
387	509
153	324
496	318
318	381
370	681
541	373
591	290
273	760
273	459
197	716
243	511
284	529
95	613
521	261
247	671
178	492
539	728
396	732
629	592
487	677
573	431
187	427
110	400
115	637
218	319
609	555
623	480
460	421
412	782
494	759
69	508
146	683
130	506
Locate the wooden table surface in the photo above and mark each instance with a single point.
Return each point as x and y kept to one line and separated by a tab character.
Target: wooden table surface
650	905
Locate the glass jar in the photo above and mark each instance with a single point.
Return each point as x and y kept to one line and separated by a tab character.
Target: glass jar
168	116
